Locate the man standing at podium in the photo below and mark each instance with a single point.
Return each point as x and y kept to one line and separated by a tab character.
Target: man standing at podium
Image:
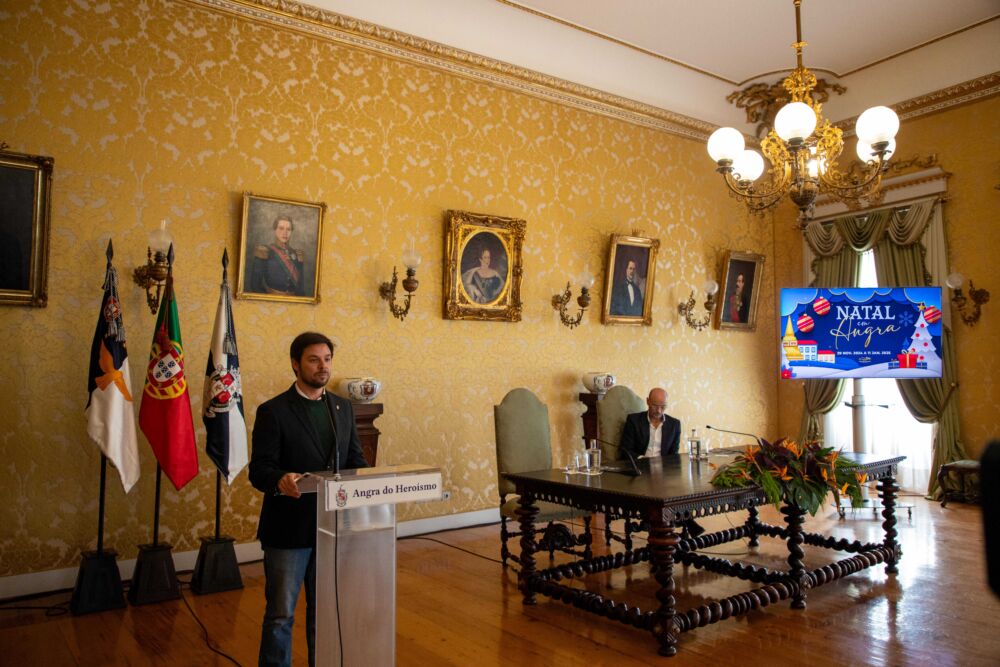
301	430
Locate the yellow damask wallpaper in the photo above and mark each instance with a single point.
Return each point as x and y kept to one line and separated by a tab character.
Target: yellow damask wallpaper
165	110
966	141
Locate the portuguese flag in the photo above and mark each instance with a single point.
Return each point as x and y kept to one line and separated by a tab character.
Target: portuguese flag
165	411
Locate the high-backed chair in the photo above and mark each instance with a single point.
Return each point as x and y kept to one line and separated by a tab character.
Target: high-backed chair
523	445
617	404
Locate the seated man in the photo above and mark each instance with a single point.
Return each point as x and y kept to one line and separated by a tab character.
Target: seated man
654	433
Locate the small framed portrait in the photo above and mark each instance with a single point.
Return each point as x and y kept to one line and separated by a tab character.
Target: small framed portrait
741	279
482	272
628	291
25	193
280	242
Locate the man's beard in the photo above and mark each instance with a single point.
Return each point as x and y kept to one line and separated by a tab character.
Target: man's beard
315	382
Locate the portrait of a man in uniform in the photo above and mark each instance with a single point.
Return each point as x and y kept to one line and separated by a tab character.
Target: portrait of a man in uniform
277	266
280	259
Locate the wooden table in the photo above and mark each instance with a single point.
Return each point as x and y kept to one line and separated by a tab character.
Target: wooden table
668	492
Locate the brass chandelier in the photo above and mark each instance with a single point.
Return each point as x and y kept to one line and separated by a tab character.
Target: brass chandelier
803	149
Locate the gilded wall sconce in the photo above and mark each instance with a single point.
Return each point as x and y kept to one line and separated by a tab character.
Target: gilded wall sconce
969	314
387	290
560	301
686	309
154	272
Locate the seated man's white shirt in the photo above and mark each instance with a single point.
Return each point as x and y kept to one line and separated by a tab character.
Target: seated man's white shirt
655	435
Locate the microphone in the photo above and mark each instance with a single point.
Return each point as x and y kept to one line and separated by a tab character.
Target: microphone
336	446
726	430
632	462
635	472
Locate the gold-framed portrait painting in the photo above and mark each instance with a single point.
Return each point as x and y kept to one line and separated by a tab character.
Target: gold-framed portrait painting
280	242
630	278
482	271
25	205
742	278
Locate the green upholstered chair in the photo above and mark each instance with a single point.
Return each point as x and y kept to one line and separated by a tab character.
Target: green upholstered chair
617	404
523	445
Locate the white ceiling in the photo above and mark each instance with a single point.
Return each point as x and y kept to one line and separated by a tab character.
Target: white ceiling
739	40
686	56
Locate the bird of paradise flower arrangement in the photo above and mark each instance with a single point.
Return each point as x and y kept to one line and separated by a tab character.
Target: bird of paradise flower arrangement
802	475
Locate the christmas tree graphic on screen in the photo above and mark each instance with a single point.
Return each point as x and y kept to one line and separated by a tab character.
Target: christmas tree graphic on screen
861	332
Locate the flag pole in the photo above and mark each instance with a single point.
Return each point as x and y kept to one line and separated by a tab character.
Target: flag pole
98	581
217	568
218	496
154	578
100	505
156	508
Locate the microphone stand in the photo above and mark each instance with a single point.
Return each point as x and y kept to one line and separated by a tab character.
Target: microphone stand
726	430
631	459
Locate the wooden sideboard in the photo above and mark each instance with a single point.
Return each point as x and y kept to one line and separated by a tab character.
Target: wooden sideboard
365	415
590	416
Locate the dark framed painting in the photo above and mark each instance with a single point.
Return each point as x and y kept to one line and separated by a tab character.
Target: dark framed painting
25	209
280	242
482	272
630	278
741	283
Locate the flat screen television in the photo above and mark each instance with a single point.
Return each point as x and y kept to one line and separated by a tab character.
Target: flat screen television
830	333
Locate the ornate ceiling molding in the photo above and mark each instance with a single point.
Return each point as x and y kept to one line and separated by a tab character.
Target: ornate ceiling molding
939	100
328	25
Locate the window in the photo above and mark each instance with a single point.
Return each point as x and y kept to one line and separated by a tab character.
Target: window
889	429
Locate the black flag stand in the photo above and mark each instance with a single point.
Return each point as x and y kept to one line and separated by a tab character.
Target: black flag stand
154	579
98	583
217	568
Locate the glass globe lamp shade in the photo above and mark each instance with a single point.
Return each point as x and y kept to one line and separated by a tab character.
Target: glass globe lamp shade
411	258
711	287
159	240
877	124
954	280
866	152
795	120
749	165
726	143
586	279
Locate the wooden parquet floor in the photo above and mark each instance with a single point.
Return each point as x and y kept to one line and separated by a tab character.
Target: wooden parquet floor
457	606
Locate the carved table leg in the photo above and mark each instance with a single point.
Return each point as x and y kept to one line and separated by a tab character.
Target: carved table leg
662	543
526	513
887	493
752	523
793	517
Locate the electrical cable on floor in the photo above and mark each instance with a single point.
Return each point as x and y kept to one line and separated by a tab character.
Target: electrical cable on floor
50	610
431	539
205	636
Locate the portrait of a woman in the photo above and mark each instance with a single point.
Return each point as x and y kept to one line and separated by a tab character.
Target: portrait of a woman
482	282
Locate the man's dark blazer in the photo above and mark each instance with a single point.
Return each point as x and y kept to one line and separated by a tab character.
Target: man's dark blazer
620	304
635	435
284	440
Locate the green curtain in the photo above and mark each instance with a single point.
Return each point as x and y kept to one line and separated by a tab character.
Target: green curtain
821	396
931	400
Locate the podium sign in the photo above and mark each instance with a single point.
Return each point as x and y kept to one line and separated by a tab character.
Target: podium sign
356	558
367	491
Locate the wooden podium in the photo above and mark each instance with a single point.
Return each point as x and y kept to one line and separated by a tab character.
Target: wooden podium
356	558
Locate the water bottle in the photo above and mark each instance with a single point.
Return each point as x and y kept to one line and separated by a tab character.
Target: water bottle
694	446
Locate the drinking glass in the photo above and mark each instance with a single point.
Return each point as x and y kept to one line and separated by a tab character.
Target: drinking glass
594	461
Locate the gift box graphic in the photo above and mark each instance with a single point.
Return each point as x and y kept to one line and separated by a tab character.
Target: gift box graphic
907	360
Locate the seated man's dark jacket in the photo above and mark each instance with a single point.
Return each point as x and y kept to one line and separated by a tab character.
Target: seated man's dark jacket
284	440
635	435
